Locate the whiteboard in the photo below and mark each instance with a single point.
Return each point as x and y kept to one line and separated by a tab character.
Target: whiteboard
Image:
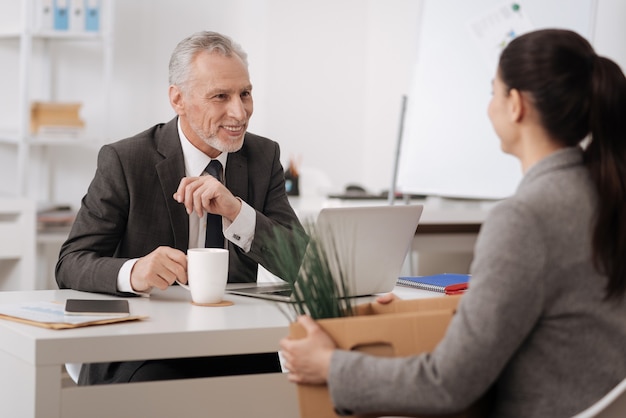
448	147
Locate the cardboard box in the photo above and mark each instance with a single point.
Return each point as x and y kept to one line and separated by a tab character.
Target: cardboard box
55	117
402	328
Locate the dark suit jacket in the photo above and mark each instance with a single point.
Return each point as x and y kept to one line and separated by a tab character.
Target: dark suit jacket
129	210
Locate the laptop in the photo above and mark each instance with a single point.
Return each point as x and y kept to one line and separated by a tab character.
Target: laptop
371	244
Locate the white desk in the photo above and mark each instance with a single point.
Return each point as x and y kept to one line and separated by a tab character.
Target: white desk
32	359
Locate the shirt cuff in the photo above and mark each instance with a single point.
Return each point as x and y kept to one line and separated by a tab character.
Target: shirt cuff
123	278
241	231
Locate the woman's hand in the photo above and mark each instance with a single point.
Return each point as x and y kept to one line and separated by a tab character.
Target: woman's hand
387	298
308	359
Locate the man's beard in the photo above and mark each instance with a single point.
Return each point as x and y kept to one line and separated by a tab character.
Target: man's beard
214	142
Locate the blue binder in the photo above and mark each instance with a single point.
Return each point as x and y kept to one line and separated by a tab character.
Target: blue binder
60	18
92	15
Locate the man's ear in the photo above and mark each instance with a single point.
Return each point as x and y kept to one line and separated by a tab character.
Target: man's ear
176	100
516	105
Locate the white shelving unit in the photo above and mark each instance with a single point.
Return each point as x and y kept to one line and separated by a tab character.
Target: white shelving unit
44	64
17	246
40	68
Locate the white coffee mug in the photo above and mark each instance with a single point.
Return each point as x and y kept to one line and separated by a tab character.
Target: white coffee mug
207	274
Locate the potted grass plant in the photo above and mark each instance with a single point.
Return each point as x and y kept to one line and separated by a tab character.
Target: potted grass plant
320	282
318	279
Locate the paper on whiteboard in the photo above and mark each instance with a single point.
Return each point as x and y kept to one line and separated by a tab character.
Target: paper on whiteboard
495	28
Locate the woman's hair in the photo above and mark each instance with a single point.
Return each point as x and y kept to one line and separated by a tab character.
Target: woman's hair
578	93
188	48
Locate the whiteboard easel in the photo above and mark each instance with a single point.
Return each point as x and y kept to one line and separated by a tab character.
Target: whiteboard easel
449	148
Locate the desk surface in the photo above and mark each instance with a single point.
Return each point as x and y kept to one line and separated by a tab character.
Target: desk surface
174	328
32	359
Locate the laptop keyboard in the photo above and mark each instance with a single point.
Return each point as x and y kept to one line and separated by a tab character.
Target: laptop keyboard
286	293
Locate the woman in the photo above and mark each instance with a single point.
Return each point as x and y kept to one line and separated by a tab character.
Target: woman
544	323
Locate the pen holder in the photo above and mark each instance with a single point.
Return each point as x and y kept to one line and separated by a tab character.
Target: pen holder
292	184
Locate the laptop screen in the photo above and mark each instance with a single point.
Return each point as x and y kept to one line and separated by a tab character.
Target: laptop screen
368	245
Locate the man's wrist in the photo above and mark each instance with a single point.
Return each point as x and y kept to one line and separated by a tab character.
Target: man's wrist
236	209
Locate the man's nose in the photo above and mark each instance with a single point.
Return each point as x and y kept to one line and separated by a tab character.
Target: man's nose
237	109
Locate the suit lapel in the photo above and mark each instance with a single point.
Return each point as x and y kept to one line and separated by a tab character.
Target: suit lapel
170	170
237	174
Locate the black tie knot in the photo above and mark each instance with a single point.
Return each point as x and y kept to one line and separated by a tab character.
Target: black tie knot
215	169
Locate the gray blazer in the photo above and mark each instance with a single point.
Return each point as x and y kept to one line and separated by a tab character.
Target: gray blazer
534	324
129	210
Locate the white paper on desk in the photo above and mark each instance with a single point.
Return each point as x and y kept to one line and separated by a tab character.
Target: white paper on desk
49	312
495	28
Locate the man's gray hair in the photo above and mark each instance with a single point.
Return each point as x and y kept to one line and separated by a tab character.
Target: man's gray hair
188	48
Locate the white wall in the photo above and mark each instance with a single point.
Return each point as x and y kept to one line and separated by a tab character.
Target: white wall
328	78
610	36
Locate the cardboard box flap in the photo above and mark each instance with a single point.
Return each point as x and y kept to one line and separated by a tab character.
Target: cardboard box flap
415	305
411	332
418	324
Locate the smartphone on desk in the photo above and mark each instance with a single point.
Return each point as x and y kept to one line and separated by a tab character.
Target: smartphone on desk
108	307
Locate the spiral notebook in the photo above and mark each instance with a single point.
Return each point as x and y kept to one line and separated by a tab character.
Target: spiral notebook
448	283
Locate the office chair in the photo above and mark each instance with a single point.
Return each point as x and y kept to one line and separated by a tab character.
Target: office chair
612	405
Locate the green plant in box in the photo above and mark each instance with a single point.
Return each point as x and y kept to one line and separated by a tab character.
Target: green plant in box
318	280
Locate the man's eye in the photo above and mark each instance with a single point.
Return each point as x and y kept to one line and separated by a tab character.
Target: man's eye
221	96
246	94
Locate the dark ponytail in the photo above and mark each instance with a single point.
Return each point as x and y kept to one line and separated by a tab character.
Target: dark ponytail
606	158
578	93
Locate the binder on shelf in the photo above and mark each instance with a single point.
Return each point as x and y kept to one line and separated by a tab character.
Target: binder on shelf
92	15
448	283
61	14
44	20
77	16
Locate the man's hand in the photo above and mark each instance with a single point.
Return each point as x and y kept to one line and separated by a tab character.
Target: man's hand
159	269
206	194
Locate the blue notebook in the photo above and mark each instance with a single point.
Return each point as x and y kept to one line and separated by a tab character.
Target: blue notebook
448	283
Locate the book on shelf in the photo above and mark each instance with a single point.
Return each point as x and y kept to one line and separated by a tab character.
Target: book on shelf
58	218
448	283
56	118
